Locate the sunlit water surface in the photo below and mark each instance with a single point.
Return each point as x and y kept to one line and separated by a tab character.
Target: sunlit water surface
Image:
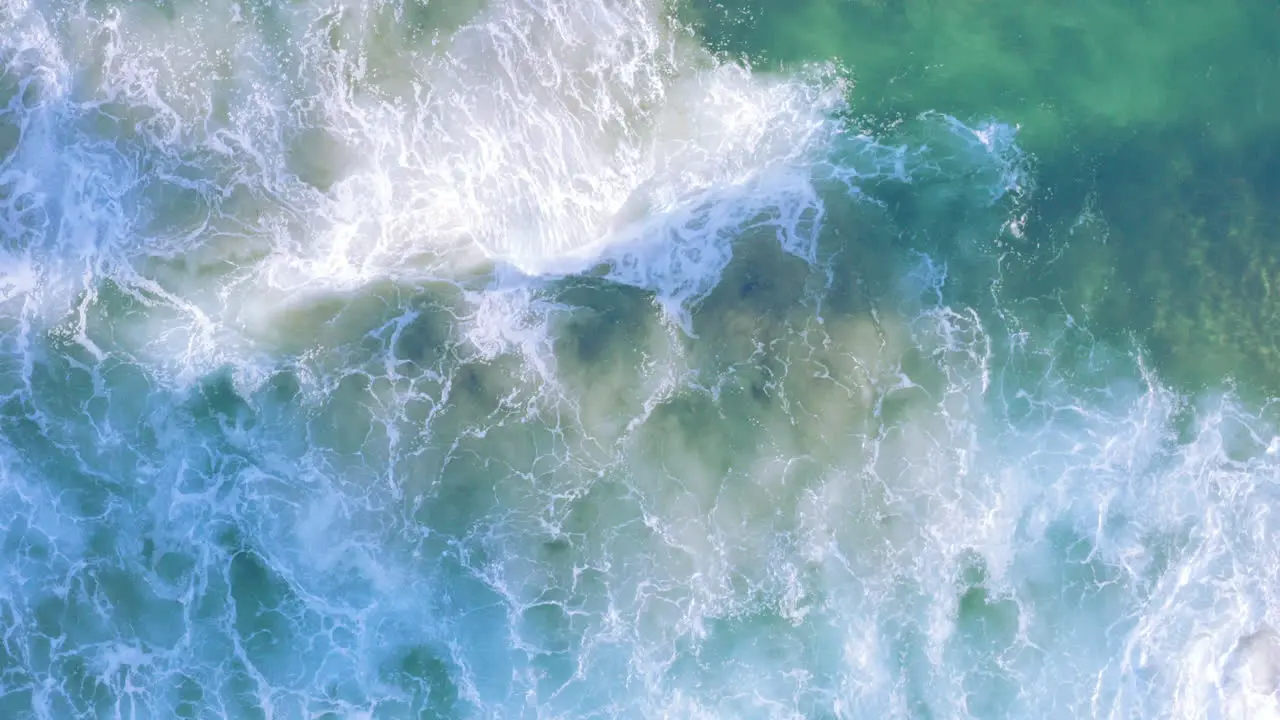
528	358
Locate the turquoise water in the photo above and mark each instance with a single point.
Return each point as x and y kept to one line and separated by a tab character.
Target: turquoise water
607	358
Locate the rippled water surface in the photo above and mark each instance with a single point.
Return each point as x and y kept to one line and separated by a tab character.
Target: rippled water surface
621	359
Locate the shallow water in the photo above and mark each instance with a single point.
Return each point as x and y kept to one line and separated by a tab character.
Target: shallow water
526	358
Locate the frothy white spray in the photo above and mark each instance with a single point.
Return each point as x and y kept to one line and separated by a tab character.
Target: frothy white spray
423	501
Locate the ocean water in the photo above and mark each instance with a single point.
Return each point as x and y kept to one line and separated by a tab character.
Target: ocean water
638	359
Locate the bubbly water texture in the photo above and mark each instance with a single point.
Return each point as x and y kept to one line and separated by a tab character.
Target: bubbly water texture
521	359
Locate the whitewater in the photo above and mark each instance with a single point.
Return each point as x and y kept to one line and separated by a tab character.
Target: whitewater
526	359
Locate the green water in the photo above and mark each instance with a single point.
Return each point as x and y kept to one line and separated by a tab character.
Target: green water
1154	132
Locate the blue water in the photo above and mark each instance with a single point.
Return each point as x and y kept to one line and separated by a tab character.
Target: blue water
541	359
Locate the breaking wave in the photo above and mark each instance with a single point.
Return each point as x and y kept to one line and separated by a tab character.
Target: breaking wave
522	358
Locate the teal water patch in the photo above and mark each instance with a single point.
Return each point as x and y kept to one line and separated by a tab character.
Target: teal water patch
1068	74
1153	132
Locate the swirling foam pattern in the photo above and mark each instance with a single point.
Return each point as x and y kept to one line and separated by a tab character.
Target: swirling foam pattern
522	359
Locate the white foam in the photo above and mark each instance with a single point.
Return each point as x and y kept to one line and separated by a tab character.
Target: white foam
888	456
